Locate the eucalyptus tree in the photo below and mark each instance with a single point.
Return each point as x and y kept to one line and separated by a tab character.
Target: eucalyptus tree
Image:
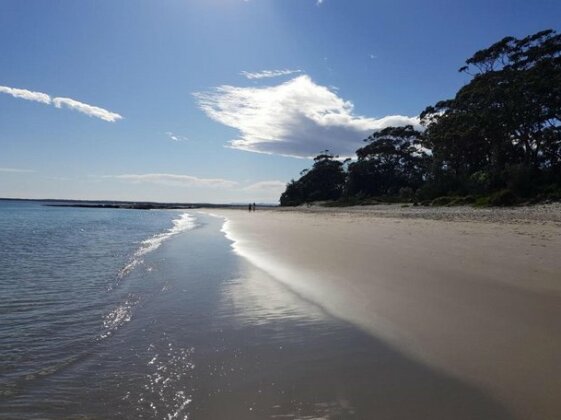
508	116
324	181
392	160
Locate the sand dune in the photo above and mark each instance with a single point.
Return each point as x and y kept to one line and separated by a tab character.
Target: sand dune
476	299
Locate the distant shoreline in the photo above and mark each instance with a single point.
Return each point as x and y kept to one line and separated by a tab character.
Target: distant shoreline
131	205
541	213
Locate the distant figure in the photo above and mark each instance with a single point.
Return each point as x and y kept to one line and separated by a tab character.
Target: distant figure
249	207
253	206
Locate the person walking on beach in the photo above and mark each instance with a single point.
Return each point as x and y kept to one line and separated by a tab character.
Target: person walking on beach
253	206
249	207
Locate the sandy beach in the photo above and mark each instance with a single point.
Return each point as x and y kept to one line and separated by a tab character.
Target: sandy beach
475	294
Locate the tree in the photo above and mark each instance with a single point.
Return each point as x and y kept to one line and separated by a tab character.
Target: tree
393	159
508	115
324	181
502	130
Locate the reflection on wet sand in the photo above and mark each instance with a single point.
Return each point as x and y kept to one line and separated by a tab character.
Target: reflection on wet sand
279	356
258	299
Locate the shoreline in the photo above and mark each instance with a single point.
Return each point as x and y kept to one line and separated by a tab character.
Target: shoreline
545	212
478	297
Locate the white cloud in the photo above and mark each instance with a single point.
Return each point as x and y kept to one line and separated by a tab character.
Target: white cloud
319	2
224	190
176	180
266	186
266	74
176	137
297	118
16	170
263	191
28	95
92	111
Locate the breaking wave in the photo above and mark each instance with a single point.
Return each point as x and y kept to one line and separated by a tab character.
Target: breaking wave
122	313
183	223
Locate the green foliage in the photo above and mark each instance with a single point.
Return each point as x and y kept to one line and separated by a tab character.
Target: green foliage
479	182
442	201
406	193
391	162
451	201
502	198
508	114
294	194
521	179
463	201
551	192
325	181
499	139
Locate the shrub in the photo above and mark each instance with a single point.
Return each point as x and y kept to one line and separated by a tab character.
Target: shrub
479	182
462	201
503	198
442	201
406	193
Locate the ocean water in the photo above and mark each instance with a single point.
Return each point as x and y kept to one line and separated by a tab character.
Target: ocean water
127	314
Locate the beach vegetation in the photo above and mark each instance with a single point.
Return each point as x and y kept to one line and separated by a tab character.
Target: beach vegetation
497	142
502	198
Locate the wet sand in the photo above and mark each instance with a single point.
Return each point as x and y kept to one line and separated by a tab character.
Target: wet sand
478	298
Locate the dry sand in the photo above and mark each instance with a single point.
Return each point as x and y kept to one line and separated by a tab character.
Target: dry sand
473	293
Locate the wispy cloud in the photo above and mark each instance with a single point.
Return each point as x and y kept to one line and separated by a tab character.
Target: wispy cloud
90	110
59	102
297	118
262	191
175	180
267	74
176	137
16	170
275	187
319	2
28	95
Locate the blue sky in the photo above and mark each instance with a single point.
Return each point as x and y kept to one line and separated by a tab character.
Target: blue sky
176	100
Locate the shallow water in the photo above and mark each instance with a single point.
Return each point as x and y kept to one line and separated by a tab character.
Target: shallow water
128	314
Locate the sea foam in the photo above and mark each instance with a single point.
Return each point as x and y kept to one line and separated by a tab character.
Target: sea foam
183	223
123	312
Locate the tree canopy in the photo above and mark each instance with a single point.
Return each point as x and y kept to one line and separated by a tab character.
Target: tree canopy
502	130
392	160
325	181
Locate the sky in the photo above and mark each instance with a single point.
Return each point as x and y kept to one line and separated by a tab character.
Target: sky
222	101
